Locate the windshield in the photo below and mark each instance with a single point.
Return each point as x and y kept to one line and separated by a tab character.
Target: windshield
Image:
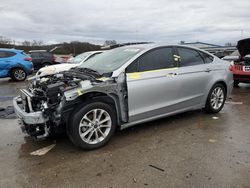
79	58
111	60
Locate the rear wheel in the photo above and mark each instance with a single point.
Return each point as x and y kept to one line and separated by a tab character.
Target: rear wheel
92	126
18	74
216	99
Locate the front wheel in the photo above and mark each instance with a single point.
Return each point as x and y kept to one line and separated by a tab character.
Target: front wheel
216	99
92	126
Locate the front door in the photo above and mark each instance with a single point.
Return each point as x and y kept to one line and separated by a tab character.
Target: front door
153	86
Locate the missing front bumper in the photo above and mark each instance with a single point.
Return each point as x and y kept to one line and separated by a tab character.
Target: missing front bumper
31	118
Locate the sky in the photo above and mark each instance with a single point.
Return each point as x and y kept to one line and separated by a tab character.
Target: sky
162	21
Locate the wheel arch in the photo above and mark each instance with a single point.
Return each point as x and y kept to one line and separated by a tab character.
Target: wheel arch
17	66
217	82
94	96
222	83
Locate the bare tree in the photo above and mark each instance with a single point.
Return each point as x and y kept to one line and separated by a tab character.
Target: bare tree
228	44
109	42
26	43
5	40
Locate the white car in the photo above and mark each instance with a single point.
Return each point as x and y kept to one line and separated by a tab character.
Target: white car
79	59
232	57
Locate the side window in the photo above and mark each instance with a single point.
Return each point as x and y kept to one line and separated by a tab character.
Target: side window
206	57
189	57
133	67
4	54
35	55
156	59
46	54
161	58
9	54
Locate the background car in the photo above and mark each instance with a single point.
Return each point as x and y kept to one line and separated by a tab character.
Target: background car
42	58
232	57
15	64
66	66
241	66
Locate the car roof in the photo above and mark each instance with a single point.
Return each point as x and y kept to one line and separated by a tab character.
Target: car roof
149	46
37	51
146	47
10	50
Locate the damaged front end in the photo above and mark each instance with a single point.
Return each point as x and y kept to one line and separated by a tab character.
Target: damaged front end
45	106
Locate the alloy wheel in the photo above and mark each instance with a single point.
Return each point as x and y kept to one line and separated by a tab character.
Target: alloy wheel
19	74
95	126
217	98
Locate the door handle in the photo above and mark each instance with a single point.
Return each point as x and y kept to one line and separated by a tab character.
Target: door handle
207	70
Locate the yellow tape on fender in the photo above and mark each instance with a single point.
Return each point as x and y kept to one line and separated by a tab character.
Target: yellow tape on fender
79	92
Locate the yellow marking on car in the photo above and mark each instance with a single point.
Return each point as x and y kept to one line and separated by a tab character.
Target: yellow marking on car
102	79
137	75
79	92
134	76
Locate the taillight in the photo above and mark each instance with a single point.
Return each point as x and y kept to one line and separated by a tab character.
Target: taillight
27	59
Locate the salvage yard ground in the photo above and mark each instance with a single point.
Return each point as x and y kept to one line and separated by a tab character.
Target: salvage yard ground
193	149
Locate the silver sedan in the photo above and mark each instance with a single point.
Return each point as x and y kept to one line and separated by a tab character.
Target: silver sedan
130	85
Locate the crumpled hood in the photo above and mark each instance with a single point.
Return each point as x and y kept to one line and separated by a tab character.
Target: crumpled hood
53	69
243	47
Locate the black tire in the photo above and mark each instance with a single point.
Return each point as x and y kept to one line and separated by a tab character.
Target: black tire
236	83
73	128
209	108
18	74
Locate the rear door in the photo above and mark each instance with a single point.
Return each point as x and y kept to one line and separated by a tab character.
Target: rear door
153	88
6	62
195	73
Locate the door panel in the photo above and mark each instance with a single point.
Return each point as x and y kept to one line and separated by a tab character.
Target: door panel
195	75
152	93
152	89
193	85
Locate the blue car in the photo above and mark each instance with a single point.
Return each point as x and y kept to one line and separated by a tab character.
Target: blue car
15	64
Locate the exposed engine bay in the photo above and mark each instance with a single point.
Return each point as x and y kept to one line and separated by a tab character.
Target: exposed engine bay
243	47
52	98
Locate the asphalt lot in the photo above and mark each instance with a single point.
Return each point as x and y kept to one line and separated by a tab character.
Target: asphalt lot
193	149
